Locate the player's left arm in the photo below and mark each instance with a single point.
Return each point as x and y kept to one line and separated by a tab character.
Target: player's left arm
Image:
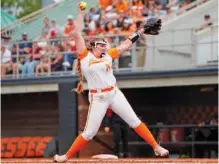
151	27
124	46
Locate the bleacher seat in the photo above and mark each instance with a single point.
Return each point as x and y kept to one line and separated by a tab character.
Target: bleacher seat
58	12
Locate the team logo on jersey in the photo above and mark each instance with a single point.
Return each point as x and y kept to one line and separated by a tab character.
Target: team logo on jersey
101	97
93	61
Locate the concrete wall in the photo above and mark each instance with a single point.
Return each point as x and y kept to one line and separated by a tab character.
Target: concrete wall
207	45
179	33
194	17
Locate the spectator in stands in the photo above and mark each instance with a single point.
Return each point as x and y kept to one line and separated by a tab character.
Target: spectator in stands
6	40
162	3
149	9
94	14
90	25
50	61
121	6
207	22
55	27
109	28
24	43
103	4
69	55
57	59
69	31
137	6
120	132
101	18
159	11
99	30
45	29
127	28
120	20
16	66
87	22
52	36
6	63
139	16
110	15
69	26
44	65
32	61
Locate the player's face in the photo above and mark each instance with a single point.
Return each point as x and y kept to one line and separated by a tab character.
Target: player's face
101	48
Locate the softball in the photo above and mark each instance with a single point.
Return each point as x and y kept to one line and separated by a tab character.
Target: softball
83	5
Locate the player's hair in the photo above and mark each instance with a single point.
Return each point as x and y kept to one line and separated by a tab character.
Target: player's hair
80	87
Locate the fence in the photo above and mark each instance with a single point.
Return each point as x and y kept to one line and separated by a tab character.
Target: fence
182	48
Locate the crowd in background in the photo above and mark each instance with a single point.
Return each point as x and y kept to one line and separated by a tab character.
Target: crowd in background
49	53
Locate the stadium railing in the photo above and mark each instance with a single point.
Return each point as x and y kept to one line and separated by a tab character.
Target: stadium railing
32	20
181	47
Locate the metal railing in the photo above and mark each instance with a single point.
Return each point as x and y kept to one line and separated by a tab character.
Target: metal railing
11	28
181	46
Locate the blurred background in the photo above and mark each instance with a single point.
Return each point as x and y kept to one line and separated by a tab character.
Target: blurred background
171	80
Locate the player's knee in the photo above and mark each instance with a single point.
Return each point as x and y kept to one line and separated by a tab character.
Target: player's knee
88	135
134	123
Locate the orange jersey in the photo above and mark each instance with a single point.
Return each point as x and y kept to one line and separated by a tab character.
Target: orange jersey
68	29
136	8
126	33
98	71
110	31
122	7
105	3
139	18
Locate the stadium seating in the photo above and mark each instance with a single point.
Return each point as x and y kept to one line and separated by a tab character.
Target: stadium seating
182	51
57	11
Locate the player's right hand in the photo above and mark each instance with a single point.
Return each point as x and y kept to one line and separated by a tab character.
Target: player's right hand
81	8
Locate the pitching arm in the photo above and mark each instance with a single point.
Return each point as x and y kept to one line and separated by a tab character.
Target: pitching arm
79	40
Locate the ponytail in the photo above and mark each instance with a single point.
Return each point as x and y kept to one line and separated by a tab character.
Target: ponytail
80	87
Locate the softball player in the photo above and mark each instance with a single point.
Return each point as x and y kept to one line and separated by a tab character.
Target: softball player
95	63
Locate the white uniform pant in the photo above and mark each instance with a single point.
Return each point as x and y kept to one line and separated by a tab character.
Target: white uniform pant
99	103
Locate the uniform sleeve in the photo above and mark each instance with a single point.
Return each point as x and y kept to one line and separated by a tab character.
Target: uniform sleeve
83	54
113	52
